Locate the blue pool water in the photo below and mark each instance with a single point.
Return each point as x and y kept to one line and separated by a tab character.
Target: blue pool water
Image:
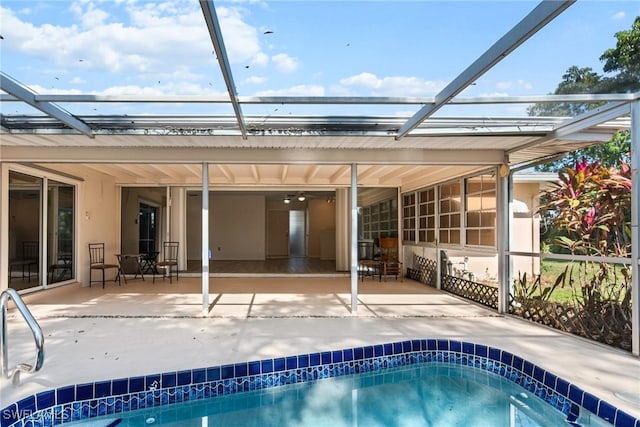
426	395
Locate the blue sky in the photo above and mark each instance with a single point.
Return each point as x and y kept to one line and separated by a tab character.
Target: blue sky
342	48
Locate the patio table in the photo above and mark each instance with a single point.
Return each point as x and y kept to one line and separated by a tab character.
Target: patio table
122	259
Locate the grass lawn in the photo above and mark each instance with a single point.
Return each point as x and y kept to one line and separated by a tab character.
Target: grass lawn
551	269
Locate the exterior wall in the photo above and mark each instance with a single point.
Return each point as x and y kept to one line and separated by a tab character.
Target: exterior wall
98	213
238	226
526	228
484	262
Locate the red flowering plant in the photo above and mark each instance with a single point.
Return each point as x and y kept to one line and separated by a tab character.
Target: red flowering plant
591	207
590	210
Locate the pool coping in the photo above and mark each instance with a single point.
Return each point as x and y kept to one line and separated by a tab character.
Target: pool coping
88	400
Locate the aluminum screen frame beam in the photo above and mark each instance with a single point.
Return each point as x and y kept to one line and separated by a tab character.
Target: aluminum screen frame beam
579	123
17	89
544	13
324	100
213	25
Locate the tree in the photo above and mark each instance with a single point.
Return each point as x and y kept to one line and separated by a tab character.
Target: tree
574	80
624	59
612	153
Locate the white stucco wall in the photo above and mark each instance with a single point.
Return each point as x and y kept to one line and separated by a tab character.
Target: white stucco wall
98	220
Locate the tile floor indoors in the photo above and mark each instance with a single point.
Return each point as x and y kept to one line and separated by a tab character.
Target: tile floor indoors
142	327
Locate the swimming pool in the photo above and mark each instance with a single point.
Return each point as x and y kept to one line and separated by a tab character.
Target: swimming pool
119	396
416	395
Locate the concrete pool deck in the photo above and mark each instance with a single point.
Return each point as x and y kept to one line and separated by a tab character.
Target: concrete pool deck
141	328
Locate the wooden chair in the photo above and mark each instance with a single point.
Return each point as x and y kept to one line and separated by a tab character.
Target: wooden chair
389	257
169	260
96	262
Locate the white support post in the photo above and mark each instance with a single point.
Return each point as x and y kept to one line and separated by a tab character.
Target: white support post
205	238
635	232
43	242
503	239
167	222
4	227
354	238
439	268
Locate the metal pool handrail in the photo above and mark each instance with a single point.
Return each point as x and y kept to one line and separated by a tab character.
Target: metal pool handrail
14	373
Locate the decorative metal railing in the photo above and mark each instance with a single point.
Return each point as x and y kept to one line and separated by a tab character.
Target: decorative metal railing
423	270
478	292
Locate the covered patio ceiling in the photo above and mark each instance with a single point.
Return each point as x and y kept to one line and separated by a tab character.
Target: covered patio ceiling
404	150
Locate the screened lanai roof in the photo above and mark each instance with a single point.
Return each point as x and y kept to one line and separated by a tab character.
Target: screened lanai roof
288	93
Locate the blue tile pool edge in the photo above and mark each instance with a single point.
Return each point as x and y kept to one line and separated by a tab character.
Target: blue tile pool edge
84	401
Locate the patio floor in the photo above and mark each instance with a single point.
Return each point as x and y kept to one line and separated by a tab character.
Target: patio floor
142	327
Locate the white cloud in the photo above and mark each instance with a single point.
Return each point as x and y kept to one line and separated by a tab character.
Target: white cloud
285	63
137	41
261	59
513	84
78	80
618	16
169	88
363	79
241	39
254	80
393	86
300	90
89	15
43	90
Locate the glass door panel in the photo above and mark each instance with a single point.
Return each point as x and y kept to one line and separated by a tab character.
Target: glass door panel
61	231
25	195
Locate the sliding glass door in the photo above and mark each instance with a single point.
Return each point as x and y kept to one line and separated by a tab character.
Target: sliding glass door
41	231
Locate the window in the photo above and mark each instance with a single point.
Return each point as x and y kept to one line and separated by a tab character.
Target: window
380	219
427	215
450	210
481	210
461	212
409	217
366	222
